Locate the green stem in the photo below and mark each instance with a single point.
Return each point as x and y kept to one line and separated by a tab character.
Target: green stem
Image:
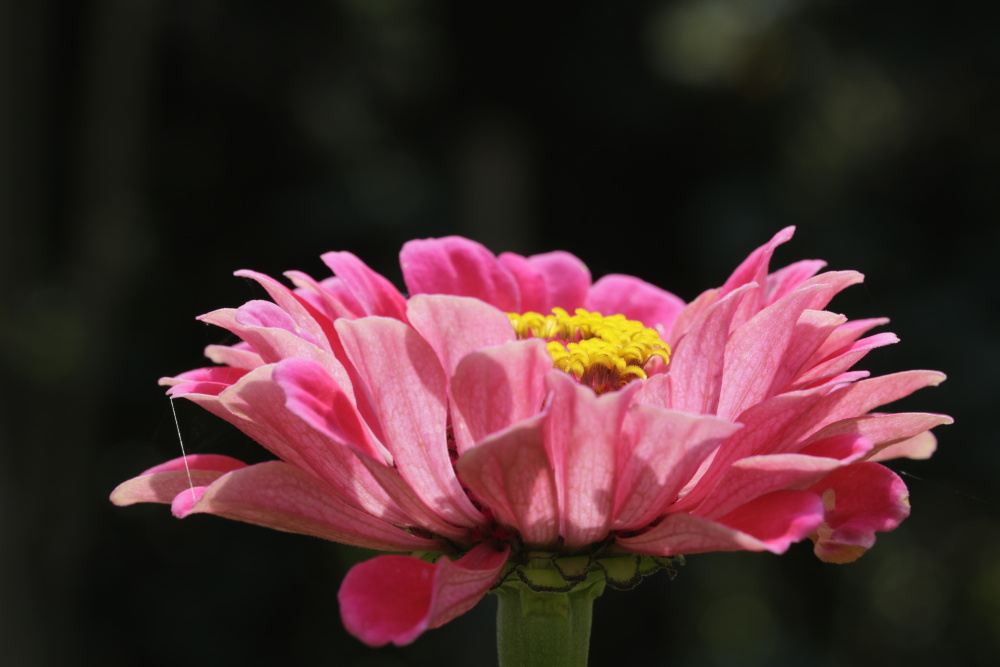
540	629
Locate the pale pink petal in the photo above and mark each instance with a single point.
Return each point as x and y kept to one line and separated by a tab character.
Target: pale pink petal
162	483
453	265
786	279
323	298
510	473
407	388
262	400
755	351
769	523
316	398
860	500
697	362
637	300
660	451
279	496
234	356
457	326
397	598
843	336
692	313
754	268
844	359
305	317
811	329
920	446
271	334
883	430
496	387
844	447
581	437
755	476
375	294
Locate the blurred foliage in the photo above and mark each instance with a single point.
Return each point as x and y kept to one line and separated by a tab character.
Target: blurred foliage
150	148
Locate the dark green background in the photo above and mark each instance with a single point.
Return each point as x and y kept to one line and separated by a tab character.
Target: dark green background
148	148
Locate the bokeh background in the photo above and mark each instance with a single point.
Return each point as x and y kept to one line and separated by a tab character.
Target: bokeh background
148	148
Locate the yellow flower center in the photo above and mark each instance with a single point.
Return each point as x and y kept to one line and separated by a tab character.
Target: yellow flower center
605	353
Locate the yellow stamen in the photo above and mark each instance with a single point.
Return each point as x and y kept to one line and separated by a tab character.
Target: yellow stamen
605	353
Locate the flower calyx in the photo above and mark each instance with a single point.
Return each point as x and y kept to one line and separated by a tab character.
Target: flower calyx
547	572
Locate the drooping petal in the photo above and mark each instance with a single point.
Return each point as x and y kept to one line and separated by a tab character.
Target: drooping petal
280	496
510	473
396	598
457	266
920	446
660	451
496	387
406	385
457	326
637	300
769	523
162	483
582	432
860	500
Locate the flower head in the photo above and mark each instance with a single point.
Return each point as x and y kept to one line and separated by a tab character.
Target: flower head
513	421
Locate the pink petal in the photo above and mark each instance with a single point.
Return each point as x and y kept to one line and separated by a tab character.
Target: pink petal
754	268
457	266
235	357
457	326
510	473
530	282
396	598
303	314
375	294
769	523
755	351
844	359
844	447
786	279
581	436
883	430
406	385
496	387
696	366
162	483
860	499
316	398
636	300
660	451
279	496
566	279
920	446
323	298
756	476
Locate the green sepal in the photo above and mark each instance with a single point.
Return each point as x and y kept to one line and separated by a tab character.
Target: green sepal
622	572
573	568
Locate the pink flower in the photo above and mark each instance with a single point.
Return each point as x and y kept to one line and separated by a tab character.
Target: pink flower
474	420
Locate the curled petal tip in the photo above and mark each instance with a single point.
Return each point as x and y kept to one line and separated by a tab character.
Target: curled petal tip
185	501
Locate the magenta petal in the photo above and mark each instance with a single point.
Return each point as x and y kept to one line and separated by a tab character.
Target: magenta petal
637	300
860	500
769	523
530	283
396	598
457	266
457	326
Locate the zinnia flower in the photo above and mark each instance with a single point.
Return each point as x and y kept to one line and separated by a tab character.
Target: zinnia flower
512	423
